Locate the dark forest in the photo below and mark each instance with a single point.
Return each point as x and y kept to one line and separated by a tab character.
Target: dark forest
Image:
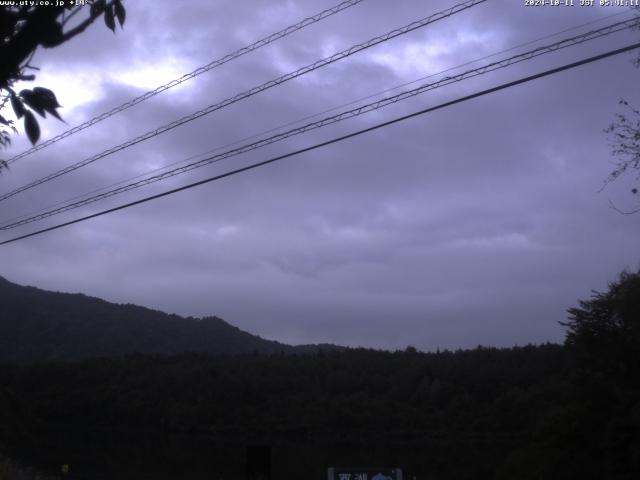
546	411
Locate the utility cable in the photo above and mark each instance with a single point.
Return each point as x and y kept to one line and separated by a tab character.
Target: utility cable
568	42
198	71
253	91
334	140
317	114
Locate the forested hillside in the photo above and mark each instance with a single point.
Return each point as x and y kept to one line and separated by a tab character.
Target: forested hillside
549	411
38	325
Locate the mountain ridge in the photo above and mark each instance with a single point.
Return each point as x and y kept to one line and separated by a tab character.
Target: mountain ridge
39	325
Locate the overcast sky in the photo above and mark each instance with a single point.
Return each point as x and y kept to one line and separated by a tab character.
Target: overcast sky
476	224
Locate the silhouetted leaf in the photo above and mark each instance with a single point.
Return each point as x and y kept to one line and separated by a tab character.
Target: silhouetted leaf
48	96
17	106
47	99
31	127
55	114
4	121
109	19
33	100
97	7
50	34
120	11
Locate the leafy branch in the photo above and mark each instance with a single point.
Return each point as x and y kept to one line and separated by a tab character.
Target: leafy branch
22	30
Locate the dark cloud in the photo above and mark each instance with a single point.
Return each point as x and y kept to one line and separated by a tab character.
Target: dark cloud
479	223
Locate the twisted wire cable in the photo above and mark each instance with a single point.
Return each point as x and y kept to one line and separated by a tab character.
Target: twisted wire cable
565	43
252	166
253	91
198	71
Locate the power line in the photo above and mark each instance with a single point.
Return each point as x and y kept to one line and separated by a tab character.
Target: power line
198	71
317	114
336	118
253	91
525	56
334	140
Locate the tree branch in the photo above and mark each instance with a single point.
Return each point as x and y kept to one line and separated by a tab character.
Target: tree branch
82	26
622	212
71	15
